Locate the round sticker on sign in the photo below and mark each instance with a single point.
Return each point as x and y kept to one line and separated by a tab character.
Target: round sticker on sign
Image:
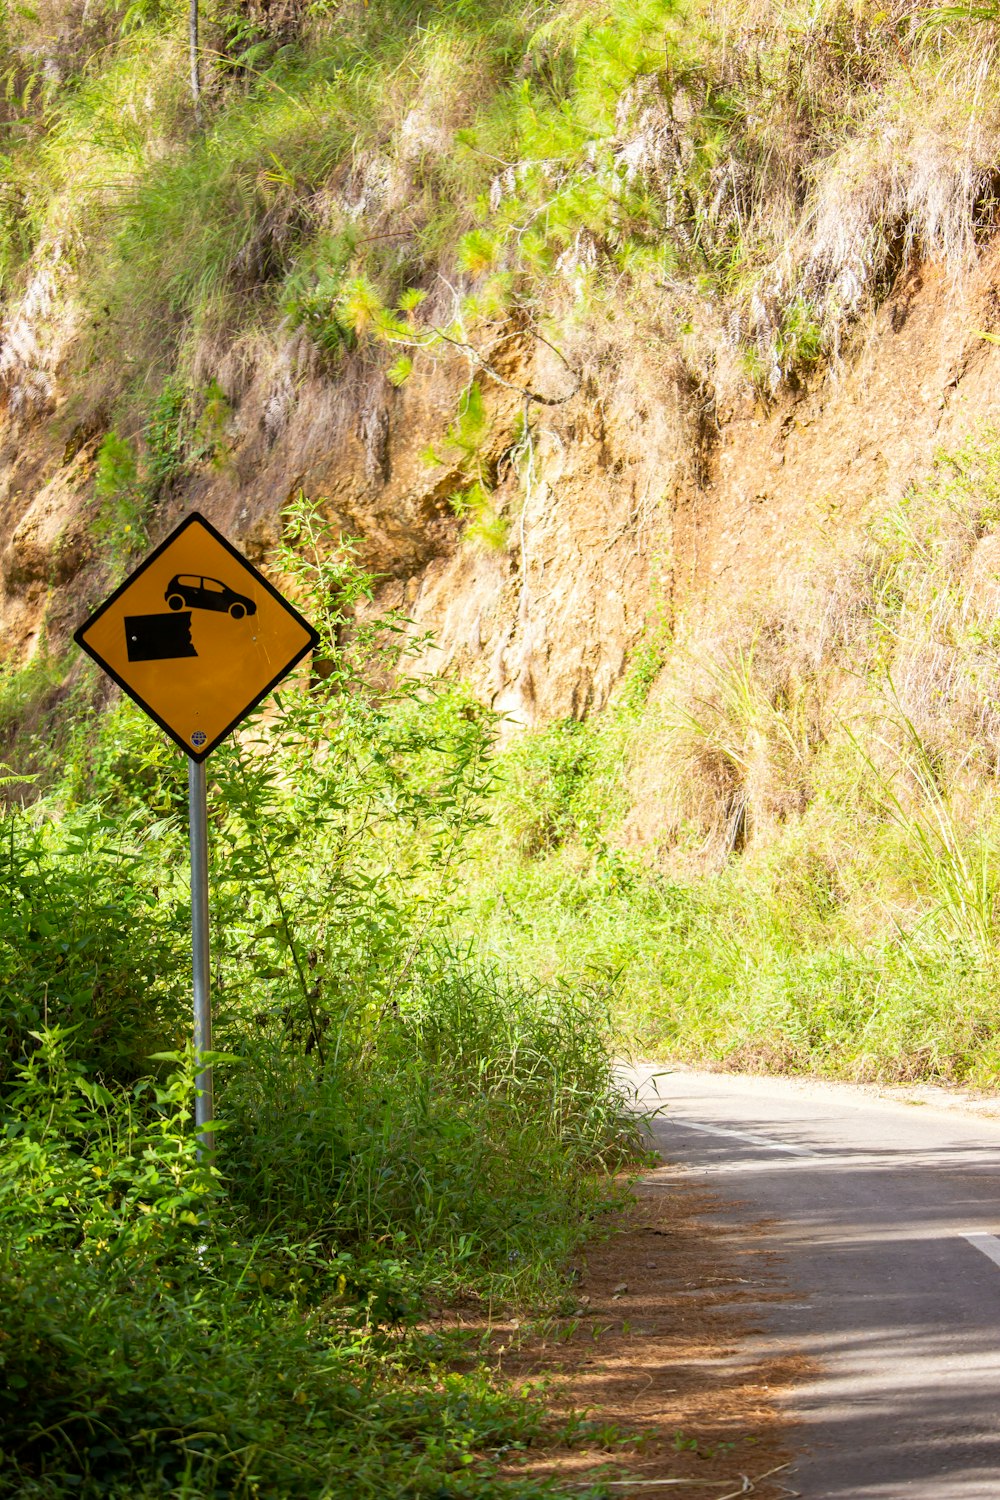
198	738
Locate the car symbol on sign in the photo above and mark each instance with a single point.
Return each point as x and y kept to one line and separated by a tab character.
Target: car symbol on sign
187	589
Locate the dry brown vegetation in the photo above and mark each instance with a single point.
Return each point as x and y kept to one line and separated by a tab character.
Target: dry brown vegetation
666	1306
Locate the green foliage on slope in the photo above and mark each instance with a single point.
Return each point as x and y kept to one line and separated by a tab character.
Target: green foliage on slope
400	1124
749	181
787	855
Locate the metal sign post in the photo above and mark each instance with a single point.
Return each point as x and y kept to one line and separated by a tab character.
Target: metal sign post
204	1104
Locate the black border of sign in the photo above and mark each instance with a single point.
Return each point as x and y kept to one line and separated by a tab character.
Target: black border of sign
189	520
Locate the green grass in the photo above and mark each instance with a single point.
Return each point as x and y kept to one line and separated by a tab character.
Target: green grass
787	856
754	976
402	1124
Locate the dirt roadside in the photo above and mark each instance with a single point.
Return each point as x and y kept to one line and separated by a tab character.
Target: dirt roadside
657	1349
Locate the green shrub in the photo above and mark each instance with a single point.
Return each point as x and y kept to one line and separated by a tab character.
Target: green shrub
92	937
399	1123
121	517
154	1342
546	774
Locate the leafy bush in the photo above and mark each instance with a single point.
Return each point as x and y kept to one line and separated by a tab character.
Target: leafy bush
547	772
399	1122
92	937
153	1341
122	514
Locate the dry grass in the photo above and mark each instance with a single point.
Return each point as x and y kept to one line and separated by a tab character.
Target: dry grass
883	661
724	754
858	143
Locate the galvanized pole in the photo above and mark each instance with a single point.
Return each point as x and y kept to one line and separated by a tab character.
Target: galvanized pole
204	1104
195	73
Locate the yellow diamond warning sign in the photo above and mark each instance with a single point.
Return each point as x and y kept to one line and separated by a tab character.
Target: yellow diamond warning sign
196	636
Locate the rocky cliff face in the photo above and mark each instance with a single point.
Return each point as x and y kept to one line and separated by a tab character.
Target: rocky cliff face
642	493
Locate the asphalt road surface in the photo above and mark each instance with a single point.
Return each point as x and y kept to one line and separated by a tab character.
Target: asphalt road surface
887	1220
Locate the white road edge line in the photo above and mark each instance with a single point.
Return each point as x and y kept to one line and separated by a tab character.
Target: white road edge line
987	1243
741	1135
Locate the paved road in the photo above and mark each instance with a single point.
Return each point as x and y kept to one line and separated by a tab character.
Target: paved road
885	1216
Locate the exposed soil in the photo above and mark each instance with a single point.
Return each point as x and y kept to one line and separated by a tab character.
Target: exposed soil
657	1349
640	508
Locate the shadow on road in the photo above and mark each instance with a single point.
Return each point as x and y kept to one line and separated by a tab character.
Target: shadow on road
899	1313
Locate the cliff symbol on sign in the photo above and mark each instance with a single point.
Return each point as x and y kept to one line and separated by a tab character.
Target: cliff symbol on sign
158	637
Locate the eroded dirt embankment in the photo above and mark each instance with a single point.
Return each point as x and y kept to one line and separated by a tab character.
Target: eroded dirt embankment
641	497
